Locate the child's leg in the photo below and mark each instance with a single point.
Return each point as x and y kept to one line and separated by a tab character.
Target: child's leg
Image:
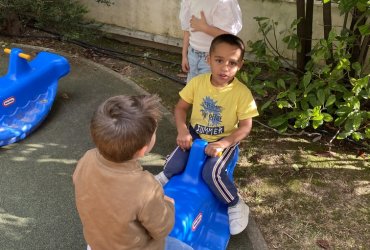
215	175
203	66
197	63
193	64
176	162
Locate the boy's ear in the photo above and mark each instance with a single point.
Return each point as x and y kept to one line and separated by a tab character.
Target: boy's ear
208	59
241	63
141	152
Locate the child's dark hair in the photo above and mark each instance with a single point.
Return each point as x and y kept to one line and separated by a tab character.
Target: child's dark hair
229	39
122	125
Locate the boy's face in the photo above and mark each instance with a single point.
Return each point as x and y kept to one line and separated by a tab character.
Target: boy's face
225	60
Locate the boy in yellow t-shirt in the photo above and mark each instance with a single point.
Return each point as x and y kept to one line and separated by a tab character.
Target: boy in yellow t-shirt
222	111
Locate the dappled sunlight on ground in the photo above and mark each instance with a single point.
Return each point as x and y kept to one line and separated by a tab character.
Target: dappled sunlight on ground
64	161
303	192
320	201
152	159
43	152
362	187
13	226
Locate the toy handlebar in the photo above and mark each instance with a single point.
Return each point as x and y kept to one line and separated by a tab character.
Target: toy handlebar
219	150
21	55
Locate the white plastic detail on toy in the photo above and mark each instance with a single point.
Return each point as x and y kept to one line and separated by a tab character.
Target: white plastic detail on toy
197	221
8	101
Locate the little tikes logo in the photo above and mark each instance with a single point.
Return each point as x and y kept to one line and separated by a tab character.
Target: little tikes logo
197	221
8	101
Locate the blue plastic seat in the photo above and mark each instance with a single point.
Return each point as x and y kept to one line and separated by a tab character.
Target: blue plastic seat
201	220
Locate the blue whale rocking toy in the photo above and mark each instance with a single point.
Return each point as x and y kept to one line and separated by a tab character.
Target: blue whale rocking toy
27	92
201	220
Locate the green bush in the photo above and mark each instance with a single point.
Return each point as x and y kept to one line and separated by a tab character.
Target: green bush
62	16
333	91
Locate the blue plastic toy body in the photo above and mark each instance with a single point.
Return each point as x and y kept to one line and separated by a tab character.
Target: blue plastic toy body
27	93
201	220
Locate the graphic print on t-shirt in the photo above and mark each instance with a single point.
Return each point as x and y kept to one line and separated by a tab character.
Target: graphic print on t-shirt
211	113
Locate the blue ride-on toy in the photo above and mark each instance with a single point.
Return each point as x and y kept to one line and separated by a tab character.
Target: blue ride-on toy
201	220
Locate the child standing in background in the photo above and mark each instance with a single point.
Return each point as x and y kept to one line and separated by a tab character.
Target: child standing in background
201	21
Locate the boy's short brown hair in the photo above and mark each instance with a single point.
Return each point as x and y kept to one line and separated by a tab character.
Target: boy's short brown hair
229	39
122	125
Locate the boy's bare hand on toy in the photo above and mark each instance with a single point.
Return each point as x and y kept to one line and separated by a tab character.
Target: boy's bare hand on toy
184	140
199	24
215	149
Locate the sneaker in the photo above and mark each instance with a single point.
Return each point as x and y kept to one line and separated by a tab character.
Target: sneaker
238	217
161	178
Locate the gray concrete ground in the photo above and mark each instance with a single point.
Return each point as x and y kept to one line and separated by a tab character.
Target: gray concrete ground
37	209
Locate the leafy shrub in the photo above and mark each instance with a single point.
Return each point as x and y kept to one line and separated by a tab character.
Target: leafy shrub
333	91
62	16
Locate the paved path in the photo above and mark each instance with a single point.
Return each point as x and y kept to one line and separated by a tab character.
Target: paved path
37	209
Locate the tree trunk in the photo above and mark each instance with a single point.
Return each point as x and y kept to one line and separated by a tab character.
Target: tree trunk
326	8
308	31
364	49
300	33
326	13
356	49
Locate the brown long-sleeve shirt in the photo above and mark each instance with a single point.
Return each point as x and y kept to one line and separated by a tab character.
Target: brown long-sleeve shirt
120	205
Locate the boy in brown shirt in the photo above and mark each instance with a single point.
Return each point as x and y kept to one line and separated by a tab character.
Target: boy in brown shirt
120	205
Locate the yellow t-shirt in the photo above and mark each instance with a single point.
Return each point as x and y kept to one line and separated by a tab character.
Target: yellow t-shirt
216	112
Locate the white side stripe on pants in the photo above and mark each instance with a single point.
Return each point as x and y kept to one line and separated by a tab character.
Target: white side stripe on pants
216	174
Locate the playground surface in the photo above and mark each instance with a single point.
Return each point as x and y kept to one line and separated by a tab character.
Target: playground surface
37	208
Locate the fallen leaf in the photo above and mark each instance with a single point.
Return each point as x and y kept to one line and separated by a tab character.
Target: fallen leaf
361	154
317	138
64	96
295	167
323	244
325	154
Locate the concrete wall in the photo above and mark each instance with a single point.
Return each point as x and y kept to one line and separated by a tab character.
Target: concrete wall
157	20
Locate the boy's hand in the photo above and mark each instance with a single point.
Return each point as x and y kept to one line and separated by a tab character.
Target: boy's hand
184	140
199	24
169	199
215	149
185	64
